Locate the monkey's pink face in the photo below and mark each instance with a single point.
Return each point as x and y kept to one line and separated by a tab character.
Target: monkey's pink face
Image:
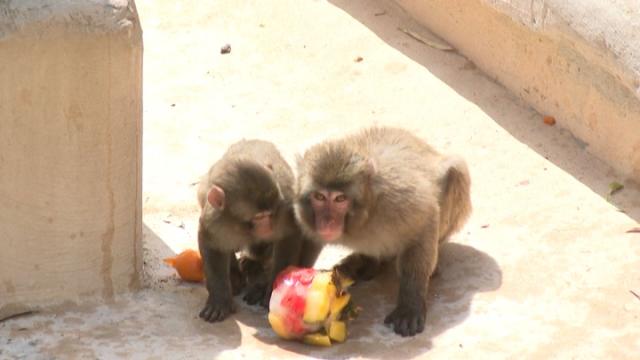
262	225
329	209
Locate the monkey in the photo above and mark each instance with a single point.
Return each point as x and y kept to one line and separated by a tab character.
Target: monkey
246	202
388	196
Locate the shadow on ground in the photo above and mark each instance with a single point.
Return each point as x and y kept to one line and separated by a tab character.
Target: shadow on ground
178	303
553	143
462	272
160	321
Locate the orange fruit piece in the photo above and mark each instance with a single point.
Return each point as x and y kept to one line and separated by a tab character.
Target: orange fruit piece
549	120
188	264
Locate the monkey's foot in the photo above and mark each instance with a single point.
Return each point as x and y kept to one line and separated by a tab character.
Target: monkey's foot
217	310
406	321
257	294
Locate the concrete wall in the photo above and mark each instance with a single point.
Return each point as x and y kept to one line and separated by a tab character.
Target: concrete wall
70	151
575	60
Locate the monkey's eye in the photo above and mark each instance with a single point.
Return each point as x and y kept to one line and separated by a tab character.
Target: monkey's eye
340	198
318	196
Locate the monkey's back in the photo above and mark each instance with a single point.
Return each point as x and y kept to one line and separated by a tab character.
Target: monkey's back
405	185
403	162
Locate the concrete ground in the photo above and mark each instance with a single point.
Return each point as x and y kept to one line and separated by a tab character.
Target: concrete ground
545	268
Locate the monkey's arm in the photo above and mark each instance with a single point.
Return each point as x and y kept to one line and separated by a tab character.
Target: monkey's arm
415	265
216	265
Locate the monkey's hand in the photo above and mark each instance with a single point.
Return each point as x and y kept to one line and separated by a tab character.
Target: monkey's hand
359	267
407	320
258	293
217	309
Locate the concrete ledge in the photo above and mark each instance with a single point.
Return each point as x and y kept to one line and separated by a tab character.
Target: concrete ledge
575	60
19	16
70	151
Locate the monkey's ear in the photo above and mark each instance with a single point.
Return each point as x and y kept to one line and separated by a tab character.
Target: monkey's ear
215	197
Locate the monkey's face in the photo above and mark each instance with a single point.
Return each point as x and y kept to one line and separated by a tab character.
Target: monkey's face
262	225
332	188
329	210
249	196
256	213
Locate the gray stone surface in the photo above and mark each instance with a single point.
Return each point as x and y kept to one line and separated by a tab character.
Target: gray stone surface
611	26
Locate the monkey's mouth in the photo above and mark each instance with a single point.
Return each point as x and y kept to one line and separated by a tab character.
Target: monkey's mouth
329	230
329	235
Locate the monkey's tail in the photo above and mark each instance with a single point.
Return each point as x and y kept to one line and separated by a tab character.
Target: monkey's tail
455	198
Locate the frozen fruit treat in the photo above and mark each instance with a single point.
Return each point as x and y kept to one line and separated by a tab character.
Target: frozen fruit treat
311	305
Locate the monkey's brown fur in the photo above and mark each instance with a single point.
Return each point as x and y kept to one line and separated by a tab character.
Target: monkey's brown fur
406	199
254	178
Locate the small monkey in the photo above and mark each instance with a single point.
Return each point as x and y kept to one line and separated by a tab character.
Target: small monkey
246	202
387	195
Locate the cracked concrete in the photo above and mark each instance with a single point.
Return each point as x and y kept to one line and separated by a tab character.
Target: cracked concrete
543	269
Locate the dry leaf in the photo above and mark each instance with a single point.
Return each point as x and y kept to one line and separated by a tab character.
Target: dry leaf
634	230
440	45
614	187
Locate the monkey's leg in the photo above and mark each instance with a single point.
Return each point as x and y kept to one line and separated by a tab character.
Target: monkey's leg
286	252
216	265
254	261
359	267
415	266
238	280
255	267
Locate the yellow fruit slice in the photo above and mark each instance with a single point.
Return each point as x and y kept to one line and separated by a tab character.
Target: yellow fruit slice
338	331
316	308
319	297
278	326
321	281
331	290
338	304
317	339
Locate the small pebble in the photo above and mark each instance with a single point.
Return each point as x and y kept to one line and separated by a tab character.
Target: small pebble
226	49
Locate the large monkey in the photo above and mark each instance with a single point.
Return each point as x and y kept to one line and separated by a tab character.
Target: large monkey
246	202
387	195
